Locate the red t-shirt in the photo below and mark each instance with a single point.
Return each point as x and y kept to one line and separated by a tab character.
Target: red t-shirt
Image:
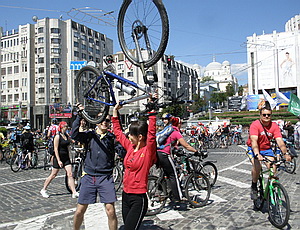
137	164
256	129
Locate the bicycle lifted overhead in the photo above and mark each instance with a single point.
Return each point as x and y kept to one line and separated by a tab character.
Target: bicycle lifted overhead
143	32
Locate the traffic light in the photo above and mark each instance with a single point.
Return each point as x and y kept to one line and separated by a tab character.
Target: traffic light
169	62
109	59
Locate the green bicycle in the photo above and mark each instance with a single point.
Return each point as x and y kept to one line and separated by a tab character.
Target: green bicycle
270	190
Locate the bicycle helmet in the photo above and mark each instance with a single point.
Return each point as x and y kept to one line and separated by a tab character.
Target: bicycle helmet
166	116
200	123
27	127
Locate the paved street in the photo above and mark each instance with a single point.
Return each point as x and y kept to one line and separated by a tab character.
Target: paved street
230	207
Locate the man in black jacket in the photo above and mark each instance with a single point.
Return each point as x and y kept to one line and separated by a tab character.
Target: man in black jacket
98	168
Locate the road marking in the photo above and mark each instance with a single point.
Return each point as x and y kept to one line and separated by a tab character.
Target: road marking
25	181
241	170
233	182
169	215
233	166
35	223
95	217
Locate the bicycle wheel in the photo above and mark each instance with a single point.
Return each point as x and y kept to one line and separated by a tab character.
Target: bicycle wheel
15	163
157	195
34	159
210	171
118	177
77	173
290	166
148	20
92	93
259	202
197	189
47	158
278	206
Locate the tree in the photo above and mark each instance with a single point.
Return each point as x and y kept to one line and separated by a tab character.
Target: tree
175	110
198	103
205	79
230	90
240	90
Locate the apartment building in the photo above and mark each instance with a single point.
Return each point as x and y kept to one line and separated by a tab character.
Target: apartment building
36	71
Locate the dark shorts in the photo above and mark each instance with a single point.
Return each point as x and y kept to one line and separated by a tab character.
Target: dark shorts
64	159
93	185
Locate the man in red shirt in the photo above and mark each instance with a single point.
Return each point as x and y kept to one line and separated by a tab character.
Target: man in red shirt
259	146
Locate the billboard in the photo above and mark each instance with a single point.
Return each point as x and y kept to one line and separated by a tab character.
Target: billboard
60	111
254	100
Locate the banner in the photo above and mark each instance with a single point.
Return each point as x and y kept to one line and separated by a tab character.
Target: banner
60	111
272	102
294	105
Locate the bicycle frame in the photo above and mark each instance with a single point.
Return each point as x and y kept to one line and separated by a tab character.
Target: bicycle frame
268	187
109	77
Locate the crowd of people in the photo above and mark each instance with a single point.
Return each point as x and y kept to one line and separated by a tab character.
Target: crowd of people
142	145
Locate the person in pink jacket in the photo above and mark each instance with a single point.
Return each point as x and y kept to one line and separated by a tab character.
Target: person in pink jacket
141	155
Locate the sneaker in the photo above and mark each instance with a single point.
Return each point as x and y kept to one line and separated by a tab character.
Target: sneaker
75	195
253	194
44	193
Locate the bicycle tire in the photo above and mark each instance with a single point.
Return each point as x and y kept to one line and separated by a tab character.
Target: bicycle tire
290	166
34	159
94	111
210	170
129	15
46	160
15	163
157	195
259	202
76	173
118	177
197	189
277	216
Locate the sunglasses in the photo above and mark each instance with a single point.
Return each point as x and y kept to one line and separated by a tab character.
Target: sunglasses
266	114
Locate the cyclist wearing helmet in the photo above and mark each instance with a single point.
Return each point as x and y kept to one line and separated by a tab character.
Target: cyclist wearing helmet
165	158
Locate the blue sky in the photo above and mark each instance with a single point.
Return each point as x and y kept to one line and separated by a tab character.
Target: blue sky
199	29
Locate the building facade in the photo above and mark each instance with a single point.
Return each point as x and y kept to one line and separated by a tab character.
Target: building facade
274	60
35	67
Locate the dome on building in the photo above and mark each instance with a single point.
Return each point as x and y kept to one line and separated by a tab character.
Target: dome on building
225	63
214	66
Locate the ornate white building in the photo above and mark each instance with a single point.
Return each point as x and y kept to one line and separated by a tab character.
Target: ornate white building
221	74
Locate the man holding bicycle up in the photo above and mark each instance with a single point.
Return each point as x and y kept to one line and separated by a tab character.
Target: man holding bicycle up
259	146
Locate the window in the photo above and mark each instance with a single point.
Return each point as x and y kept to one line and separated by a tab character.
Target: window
121	74
91	49
9	98
74	25
9	70
41	90
91	40
129	74
83	56
24	96
120	66
55	50
40	60
41	100
3	98
16	83
83	46
41	40
3	71
24	81
41	50
56	80
16	69
97	51
16	97
76	53
55	70
41	70
55	60
55	40
91	58
40	80
55	30
9	84
76	44
41	30
3	85
24	67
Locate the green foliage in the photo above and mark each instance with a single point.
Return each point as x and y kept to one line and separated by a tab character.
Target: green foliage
3	130
240	90
205	79
175	110
230	90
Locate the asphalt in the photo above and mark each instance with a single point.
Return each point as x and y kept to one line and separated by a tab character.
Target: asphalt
230	207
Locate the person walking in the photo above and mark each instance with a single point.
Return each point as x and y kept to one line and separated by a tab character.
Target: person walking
98	168
141	155
61	160
27	144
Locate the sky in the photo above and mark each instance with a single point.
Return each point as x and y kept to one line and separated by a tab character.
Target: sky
200	30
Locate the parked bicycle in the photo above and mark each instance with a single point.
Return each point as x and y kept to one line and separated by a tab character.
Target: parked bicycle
276	196
47	156
194	184
22	159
